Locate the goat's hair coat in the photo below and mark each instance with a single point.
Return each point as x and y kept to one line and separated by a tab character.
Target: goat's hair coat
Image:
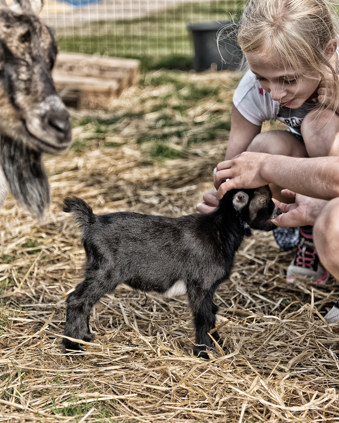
163	254
25	175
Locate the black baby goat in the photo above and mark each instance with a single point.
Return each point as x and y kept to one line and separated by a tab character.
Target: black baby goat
191	254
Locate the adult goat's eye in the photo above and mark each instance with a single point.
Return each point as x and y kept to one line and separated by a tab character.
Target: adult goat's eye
25	37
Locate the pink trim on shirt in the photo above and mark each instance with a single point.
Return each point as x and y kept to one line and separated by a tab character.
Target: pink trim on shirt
247	115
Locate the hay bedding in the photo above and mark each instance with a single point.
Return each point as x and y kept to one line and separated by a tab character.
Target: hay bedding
280	362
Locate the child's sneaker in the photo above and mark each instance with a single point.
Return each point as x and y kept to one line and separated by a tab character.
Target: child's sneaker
306	263
333	315
286	238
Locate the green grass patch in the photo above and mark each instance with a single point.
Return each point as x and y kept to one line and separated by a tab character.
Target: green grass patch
6	284
161	151
6	258
186	113
103	410
31	246
159	40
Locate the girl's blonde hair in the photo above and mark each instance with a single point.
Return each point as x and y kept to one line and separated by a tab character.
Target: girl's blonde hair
298	31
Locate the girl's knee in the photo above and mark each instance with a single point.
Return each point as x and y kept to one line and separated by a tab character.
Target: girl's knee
320	133
326	236
261	143
277	142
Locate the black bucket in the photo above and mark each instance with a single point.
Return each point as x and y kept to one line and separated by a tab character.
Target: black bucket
211	53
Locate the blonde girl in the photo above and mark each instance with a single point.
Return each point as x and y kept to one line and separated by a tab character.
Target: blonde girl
291	49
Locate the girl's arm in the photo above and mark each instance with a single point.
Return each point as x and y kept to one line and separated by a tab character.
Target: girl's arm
241	134
314	177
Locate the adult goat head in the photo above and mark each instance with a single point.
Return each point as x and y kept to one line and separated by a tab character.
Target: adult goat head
33	118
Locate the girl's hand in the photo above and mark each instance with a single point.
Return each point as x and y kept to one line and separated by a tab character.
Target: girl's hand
209	203
243	171
302	212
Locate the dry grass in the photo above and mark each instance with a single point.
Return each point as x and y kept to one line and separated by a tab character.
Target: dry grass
280	360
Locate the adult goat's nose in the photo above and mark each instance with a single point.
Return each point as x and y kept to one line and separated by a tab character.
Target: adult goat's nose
59	121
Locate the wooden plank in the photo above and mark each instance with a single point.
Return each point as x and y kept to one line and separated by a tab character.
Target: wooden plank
86	93
89	81
92	65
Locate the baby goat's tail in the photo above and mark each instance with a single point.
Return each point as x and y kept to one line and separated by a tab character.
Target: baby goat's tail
84	215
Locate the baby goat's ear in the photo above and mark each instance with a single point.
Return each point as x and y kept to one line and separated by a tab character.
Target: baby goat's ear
240	200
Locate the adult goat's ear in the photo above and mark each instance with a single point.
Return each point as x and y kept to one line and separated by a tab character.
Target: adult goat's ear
240	200
27	6
37	6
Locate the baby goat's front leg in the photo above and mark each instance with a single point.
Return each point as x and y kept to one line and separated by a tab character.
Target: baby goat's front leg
204	311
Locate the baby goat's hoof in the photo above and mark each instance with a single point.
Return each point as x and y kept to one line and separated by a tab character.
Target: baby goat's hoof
204	355
89	337
75	346
201	352
72	346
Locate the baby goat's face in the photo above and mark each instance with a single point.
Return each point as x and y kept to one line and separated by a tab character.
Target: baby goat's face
256	208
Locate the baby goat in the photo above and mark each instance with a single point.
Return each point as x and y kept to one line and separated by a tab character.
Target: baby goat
191	254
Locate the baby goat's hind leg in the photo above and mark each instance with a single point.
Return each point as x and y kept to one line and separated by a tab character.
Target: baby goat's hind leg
204	311
79	305
215	335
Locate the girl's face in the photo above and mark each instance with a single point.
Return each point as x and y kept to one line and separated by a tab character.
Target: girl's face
284	85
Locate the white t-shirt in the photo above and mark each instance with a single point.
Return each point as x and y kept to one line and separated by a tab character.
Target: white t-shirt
257	106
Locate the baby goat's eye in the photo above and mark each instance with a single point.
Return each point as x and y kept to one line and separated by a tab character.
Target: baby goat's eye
263	202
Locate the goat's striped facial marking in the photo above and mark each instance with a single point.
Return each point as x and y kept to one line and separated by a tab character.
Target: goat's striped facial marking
32	112
262	209
256	207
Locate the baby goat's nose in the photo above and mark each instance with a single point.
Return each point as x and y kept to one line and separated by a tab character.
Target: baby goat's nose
276	212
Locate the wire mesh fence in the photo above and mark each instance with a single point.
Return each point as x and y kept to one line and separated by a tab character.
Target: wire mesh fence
133	28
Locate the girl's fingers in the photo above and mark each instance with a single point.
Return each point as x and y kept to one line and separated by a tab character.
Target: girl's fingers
284	208
204	208
288	193
209	203
226	186
221	176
